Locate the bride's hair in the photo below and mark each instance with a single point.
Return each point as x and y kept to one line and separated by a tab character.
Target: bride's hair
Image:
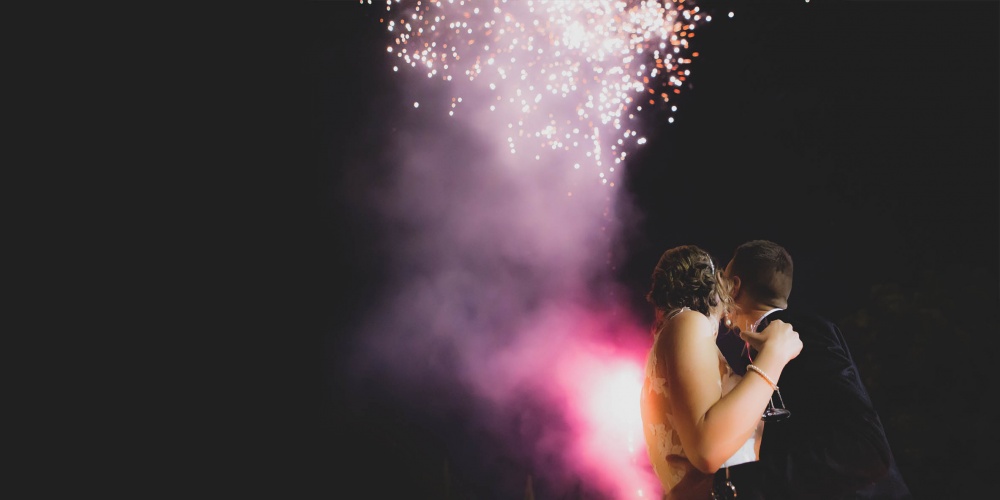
685	276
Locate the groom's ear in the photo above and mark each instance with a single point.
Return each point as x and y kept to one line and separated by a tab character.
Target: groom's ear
736	287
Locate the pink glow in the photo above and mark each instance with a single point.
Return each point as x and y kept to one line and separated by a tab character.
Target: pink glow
603	389
594	383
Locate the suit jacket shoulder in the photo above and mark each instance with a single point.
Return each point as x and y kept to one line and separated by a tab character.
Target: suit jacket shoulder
833	445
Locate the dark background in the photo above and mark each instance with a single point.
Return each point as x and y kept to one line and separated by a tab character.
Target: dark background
861	135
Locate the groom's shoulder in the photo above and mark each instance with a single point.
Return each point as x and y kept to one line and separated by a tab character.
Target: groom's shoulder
790	313
805	318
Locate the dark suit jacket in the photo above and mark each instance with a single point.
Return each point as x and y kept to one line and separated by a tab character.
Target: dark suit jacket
833	445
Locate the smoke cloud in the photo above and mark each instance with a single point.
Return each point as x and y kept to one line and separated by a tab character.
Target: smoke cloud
500	313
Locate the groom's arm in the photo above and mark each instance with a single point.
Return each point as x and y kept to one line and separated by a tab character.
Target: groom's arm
836	442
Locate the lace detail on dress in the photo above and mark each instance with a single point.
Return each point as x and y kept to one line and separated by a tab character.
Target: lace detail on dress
657	384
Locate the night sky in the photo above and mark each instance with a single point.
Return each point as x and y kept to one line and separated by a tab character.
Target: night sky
862	135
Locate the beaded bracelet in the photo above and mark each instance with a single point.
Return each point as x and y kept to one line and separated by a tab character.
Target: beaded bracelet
760	372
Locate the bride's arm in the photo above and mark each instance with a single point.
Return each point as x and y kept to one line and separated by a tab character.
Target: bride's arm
711	427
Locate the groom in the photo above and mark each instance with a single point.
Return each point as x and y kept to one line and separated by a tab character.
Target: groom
833	444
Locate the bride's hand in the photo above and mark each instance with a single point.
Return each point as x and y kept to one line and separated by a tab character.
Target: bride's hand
778	338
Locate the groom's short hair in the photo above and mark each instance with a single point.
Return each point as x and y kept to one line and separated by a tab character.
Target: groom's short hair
765	271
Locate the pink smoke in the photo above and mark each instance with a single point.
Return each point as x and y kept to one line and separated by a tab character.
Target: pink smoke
499	293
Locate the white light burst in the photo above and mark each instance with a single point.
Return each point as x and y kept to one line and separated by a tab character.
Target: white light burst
564	76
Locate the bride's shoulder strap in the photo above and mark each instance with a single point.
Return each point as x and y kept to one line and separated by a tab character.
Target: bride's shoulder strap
675	312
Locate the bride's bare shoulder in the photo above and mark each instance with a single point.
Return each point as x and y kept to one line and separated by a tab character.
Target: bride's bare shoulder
687	323
690	316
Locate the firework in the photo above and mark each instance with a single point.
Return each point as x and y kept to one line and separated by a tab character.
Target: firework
565	78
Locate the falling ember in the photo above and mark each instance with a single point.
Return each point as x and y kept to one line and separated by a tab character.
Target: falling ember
568	75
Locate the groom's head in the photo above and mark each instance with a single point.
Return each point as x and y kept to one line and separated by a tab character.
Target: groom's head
761	272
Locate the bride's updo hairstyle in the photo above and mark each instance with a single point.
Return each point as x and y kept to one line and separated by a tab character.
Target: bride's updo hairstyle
685	276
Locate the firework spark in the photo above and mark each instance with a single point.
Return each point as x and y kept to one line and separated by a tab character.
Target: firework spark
559	76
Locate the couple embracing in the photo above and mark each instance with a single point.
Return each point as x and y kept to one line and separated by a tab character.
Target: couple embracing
727	356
